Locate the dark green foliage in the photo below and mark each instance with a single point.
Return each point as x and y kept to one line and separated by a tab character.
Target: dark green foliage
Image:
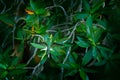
59	39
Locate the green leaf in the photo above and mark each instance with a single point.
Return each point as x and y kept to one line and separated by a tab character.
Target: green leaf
75	56
71	73
39	46
38	7
82	29
104	51
30	19
94	52
15	61
71	58
97	6
7	20
89	21
57	50
89	28
44	58
41	30
34	4
83	75
68	66
88	70
98	34
41	11
20	35
20	66
86	5
3	66
48	39
88	56
17	71
4	74
55	58
80	16
103	23
82	43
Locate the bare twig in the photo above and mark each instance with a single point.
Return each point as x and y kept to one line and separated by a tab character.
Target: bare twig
103	4
91	64
14	28
60	25
28	67
69	49
35	51
65	59
39	66
9	8
6	38
67	29
86	50
65	13
51	31
71	32
13	31
42	38
101	26
80	7
16	19
35	68
4	8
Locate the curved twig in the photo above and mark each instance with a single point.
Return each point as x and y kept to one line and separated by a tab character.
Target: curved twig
4	7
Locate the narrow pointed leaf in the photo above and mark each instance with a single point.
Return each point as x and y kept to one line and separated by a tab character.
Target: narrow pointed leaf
82	43
87	58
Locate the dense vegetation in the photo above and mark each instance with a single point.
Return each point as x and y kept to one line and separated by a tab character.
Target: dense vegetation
59	39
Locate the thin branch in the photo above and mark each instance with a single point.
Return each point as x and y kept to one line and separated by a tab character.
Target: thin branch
103	5
68	52
65	59
86	50
39	36
35	68
99	26
62	2
35	51
91	64
50	7
80	7
16	19
29	68
61	25
71	32
54	2
67	29
9	8
18	9
4	7
65	13
6	38
51	31
13	31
